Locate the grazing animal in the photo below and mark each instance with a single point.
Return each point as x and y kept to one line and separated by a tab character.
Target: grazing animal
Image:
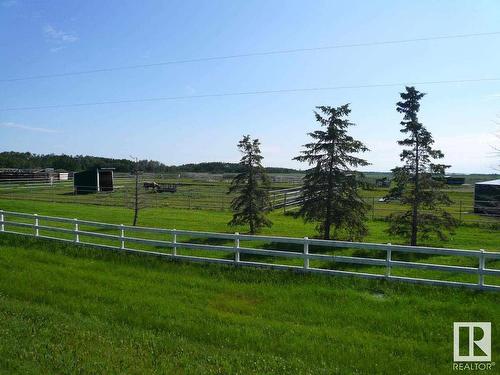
151	185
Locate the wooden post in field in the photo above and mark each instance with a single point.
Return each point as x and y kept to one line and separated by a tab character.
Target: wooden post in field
284	202
136	193
460	212
2	225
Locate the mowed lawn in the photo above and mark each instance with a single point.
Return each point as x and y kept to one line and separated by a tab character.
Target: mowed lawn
465	237
67	309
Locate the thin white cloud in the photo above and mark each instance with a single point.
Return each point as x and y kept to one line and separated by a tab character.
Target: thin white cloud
13	125
59	38
190	90
491	97
55	49
9	3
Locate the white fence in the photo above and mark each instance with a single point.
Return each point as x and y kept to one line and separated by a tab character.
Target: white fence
127	236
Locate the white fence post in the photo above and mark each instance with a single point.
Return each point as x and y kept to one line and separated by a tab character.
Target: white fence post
481	268
306	253
119	241
237	247
77	236
122	237
37	232
388	261
174	241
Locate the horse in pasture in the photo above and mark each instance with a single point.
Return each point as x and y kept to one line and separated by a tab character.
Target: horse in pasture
151	185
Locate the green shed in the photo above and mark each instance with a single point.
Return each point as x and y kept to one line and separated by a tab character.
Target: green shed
93	180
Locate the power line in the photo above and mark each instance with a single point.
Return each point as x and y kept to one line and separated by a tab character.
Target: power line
250	54
243	93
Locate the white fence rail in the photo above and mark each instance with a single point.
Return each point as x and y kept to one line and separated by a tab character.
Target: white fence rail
126	236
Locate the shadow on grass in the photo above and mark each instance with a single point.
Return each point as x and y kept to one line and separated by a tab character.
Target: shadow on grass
209	241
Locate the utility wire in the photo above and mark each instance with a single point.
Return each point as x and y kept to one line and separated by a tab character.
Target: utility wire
243	93
251	54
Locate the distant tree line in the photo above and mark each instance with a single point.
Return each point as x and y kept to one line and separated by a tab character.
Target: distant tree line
27	160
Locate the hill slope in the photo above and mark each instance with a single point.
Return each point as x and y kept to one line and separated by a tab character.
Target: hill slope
66	309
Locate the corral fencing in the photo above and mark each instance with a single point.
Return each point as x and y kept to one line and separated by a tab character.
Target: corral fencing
285	198
33	182
215	197
464	212
196	247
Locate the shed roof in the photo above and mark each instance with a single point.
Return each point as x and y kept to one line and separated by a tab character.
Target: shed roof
96	169
492	182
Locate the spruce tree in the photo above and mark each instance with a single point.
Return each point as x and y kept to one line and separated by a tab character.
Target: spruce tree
419	183
251	187
330	194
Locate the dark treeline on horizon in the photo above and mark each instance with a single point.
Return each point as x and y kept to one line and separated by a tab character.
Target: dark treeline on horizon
27	160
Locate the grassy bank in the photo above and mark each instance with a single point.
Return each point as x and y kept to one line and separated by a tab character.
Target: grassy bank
65	309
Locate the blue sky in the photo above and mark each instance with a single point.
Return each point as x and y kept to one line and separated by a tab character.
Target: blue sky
45	37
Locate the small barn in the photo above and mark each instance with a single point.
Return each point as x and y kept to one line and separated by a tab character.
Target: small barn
93	180
382	182
63	176
487	197
454	180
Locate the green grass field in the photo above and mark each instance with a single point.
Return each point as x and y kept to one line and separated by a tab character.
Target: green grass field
74	309
67	309
192	194
466	236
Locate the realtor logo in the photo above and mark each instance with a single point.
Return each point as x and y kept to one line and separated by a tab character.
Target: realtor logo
472	342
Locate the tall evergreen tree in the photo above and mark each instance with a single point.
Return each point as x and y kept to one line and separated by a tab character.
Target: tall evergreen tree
252	188
419	183
330	193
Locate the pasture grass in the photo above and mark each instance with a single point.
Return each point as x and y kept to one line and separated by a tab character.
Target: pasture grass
285	225
71	309
192	194
465	237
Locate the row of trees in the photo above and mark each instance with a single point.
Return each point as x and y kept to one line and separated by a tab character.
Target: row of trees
28	160
331	196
